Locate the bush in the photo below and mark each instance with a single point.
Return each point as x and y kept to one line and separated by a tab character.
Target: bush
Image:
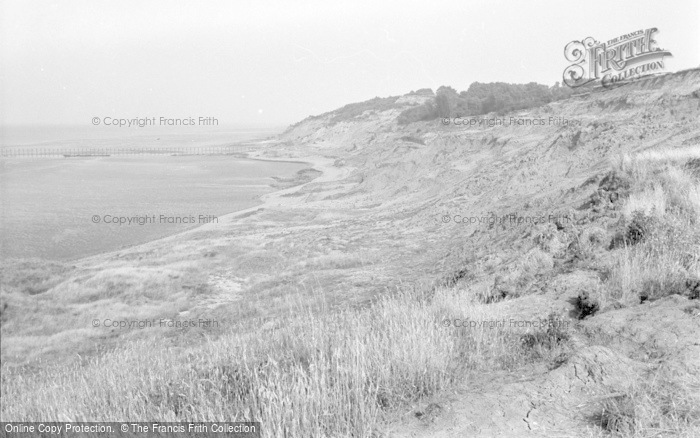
635	232
425	112
586	305
354	110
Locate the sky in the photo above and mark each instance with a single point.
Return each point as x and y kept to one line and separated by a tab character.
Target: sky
276	62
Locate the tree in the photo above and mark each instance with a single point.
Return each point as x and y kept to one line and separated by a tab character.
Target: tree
489	104
443	105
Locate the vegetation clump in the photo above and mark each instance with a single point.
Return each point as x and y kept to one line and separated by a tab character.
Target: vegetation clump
553	335
586	305
639	227
482	98
656	253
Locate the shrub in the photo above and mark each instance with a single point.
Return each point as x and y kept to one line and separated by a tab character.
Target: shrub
693	286
354	110
635	232
586	305
425	112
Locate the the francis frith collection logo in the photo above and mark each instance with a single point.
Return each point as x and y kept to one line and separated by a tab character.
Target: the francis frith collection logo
619	59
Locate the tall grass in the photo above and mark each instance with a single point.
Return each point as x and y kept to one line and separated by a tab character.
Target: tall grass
337	374
664	207
665	403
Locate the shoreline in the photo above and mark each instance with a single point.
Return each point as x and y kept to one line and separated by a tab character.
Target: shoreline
266	200
257	201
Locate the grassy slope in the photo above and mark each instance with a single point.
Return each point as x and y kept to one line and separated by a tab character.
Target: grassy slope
304	349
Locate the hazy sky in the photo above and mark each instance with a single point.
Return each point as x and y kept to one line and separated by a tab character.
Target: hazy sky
276	62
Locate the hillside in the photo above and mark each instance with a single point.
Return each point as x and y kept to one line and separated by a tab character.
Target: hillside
345	301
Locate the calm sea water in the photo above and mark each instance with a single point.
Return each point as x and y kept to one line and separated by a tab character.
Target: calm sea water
67	208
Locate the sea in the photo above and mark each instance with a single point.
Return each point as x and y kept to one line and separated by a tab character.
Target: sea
66	206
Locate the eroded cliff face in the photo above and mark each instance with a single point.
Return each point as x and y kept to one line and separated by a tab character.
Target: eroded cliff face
528	157
501	212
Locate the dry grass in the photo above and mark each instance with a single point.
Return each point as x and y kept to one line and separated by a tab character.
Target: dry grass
336	374
651	202
333	260
662	181
664	210
666	403
676	155
58	321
